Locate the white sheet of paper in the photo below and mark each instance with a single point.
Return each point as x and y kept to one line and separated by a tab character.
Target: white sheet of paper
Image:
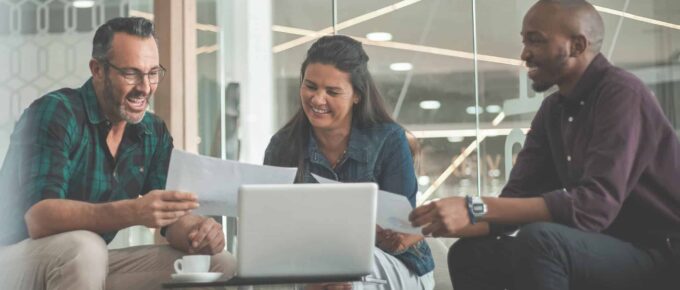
216	181
393	210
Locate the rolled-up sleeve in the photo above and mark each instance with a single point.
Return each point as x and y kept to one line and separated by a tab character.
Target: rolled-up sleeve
42	138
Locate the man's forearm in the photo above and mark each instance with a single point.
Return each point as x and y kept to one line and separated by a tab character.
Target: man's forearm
510	211
54	216
477	230
516	211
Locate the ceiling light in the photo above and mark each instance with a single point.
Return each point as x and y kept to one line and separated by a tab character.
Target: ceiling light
379	36
455	139
471	110
83	3
493	109
430	105
345	24
401	66
402	46
423	180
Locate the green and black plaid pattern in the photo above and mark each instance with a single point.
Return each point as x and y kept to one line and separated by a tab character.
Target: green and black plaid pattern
58	150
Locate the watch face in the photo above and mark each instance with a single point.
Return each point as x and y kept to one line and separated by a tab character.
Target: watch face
478	208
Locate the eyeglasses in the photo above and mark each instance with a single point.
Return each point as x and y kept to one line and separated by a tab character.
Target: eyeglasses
135	77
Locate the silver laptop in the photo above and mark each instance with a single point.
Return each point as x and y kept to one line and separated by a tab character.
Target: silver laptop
306	231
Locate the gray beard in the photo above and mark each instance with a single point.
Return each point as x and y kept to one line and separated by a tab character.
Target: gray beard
120	107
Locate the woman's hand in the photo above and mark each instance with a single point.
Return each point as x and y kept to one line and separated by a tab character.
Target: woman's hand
393	242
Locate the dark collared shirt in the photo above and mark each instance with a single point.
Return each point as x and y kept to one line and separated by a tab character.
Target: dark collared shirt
604	157
58	150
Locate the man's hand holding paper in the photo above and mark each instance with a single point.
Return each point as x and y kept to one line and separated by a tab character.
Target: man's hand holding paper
216	181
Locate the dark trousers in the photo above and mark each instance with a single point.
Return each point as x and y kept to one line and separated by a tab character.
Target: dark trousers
550	256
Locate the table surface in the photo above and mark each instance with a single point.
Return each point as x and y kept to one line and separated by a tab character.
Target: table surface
237	281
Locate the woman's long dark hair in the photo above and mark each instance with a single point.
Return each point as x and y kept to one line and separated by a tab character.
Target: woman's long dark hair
346	55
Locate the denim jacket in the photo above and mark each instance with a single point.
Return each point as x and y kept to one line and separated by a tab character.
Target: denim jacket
377	154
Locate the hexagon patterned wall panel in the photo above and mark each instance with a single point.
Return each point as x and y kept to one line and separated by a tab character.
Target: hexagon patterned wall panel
45	45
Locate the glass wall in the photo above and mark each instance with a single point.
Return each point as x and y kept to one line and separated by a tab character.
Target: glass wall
424	64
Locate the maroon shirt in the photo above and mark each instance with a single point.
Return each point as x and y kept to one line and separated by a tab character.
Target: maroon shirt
604	157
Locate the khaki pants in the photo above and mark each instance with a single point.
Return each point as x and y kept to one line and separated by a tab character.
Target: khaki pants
80	260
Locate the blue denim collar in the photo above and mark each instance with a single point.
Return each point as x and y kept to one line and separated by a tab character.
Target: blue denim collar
356	149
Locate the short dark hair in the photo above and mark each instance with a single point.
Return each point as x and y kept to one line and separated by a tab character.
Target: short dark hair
138	26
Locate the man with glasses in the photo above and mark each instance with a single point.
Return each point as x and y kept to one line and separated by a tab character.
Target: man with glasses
84	163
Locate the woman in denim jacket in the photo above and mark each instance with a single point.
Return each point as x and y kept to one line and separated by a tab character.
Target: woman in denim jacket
342	131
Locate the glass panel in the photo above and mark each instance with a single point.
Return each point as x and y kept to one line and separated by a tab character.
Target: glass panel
507	103
218	99
430	99
292	20
646	49
209	97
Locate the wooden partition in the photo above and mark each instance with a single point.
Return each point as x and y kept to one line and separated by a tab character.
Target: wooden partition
176	98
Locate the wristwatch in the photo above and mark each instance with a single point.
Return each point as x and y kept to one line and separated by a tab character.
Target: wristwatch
476	208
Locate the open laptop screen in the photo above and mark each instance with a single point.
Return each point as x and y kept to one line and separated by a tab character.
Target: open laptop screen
306	230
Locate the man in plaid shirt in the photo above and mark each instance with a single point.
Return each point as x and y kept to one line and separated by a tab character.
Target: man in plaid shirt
84	163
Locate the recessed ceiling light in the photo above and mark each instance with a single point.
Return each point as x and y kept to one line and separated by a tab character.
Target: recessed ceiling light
430	105
401	66
455	139
493	109
471	110
83	3
423	180
379	36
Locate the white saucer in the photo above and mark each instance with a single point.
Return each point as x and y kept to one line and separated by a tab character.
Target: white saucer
196	277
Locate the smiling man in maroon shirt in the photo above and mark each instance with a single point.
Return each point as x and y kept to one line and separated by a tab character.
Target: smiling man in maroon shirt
595	190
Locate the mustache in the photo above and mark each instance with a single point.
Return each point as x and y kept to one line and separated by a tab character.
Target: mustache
134	95
108	91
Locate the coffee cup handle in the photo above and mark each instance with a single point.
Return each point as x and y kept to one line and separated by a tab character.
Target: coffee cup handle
178	266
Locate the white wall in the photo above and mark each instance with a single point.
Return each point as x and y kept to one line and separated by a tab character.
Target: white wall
253	70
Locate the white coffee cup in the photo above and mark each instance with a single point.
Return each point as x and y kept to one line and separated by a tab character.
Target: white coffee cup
193	264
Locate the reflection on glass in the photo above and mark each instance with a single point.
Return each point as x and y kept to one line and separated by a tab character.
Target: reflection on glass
435	37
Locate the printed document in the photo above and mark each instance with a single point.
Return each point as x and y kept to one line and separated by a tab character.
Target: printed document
216	181
393	210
